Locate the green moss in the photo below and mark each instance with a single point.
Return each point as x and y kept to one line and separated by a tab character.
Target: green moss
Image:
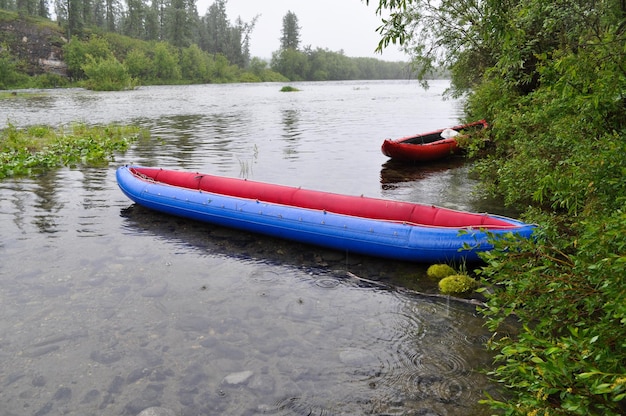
457	284
439	271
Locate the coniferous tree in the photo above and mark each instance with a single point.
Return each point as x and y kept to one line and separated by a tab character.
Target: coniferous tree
87	12
22	6
134	18
152	30
155	20
42	9
290	38
215	33
111	14
181	22
99	19
7	4
74	18
244	30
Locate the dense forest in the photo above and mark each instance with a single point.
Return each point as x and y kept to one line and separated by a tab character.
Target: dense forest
550	76
110	44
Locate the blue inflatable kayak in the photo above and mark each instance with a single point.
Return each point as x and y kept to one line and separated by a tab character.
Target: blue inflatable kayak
371	226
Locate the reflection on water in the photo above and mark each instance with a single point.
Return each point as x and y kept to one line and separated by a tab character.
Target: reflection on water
219	241
444	183
47	203
290	123
394	173
291	133
109	308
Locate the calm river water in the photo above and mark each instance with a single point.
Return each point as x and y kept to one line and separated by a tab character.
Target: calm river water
109	309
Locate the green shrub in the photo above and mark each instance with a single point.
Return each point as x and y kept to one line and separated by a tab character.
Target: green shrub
139	65
569	294
49	81
106	75
561	148
10	74
77	53
249	77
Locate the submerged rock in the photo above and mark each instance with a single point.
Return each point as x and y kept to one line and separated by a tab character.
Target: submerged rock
157	411
238	378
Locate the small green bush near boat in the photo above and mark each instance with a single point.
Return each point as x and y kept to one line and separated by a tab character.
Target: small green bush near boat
457	284
36	149
439	271
288	88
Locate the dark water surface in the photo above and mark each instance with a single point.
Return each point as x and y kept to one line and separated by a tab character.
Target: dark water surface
108	308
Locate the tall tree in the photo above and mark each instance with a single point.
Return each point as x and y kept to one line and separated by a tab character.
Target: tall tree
215	34
7	4
134	18
87	12
75	22
241	41
181	22
290	38
218	36
155	20
99	16
463	35
42	9
24	6
111	14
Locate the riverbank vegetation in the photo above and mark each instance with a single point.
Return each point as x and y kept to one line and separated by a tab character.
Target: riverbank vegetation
551	79
117	48
38	148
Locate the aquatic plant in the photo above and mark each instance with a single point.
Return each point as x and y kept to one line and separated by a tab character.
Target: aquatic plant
38	148
288	88
439	271
457	284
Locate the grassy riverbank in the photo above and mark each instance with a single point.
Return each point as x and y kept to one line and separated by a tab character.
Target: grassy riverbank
38	148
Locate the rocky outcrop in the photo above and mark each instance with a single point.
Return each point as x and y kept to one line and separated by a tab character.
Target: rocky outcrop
38	46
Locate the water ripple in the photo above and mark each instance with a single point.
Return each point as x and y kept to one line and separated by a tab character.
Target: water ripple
265	276
166	308
327	283
299	406
443	389
444	362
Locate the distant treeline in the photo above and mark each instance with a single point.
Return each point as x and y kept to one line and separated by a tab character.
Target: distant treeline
115	45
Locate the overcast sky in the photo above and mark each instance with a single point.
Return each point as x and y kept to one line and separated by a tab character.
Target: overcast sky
347	25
